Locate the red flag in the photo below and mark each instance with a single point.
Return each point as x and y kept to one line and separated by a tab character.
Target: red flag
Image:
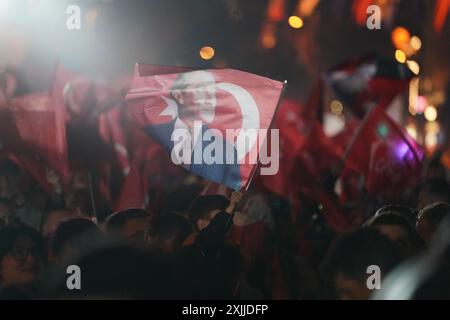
297	126
344	138
359	8
150	174
218	99
306	154
57	105
442	7
368	80
112	132
292	126
352	189
135	188
384	154
293	131
33	129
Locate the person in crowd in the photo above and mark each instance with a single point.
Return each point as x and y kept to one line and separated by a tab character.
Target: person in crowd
10	175
7	216
22	257
408	213
53	219
181	198
430	218
128	225
167	232
398	229
346	263
121	272
79	202
209	268
435	168
432	191
204	208
73	238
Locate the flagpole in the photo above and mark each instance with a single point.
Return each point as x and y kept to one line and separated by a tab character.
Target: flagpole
357	133
283	90
91	193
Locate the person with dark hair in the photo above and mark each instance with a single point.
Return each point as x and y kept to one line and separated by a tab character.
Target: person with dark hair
120	272
209	269
167	232
73	238
180	199
128	225
432	191
79	202
408	213
204	208
398	229
435	168
429	220
22	256
7	216
53	219
346	263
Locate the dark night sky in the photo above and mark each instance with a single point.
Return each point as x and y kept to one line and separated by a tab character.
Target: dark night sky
171	32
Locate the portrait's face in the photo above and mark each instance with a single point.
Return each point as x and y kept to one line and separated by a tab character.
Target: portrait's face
197	100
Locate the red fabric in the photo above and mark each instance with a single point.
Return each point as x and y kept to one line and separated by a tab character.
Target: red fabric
243	100
385	155
442	7
112	132
33	129
135	187
297	126
306	153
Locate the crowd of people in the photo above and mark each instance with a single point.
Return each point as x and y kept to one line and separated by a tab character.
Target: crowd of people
203	245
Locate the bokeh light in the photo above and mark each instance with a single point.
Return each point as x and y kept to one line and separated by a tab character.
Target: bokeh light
413	66
400	37
431	113
412	130
295	22
400	56
207	53
415	43
336	107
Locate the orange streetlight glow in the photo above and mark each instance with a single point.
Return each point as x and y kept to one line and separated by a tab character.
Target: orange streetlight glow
207	53
400	38
295	22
